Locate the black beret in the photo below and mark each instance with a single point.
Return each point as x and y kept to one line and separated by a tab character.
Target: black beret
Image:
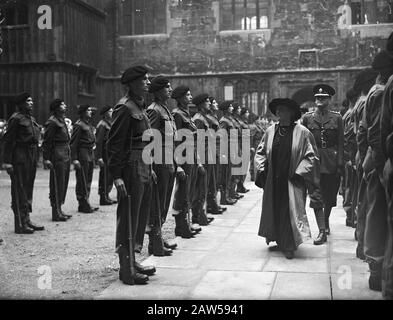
323	90
244	111
22	97
179	92
382	61
292	104
158	83
365	79
83	108
225	105
105	110
55	104
389	44
133	73
200	98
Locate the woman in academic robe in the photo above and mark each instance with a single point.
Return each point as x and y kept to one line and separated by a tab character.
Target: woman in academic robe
285	161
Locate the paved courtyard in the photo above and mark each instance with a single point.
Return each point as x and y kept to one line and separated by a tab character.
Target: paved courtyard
227	260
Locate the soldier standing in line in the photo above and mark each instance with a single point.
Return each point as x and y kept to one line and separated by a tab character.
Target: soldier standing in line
387	148
105	180
327	128
214	183
161	119
185	186
199	216
20	161
364	81
226	123
57	157
235	179
349	158
257	132
375	234
82	154
132	175
243	119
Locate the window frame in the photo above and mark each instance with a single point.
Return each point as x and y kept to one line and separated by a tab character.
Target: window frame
16	14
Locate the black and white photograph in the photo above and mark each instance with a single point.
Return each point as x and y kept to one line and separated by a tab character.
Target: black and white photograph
180	151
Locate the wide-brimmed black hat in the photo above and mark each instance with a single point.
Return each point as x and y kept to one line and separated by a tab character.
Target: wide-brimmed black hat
323	90
105	110
291	104
133	73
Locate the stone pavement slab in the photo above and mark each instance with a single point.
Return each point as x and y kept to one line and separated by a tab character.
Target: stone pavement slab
228	260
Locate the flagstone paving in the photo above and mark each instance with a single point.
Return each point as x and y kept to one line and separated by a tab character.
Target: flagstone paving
228	260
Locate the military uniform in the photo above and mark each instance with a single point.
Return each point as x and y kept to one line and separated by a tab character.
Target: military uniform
256	133
105	176
20	143
244	127
185	188
235	179
215	178
125	147
327	129
56	149
82	144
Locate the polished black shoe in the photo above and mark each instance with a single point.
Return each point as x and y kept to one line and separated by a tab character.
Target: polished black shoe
223	209
321	239
228	201
95	208
196	227
111	200
242	189
25	229
35	227
147	270
289	254
161	252
238	196
57	216
84	207
68	216
171	246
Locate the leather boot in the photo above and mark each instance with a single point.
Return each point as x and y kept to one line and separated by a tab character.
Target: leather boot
84	207
34	226
241	188
182	228
321	239
56	216
146	270
375	280
68	216
104	201
171	246
23	229
125	272
111	200
226	200
156	244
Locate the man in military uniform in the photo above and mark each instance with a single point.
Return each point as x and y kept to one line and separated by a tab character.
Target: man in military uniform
256	133
186	184
82	143
57	157
132	176
364	82
226	124
20	143
242	116
373	166
202	103
327	128
105	180
162	120
212	205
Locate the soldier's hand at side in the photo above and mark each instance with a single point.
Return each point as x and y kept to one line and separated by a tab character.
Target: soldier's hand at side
101	162
8	167
180	174
201	170
48	165
77	165
154	176
120	187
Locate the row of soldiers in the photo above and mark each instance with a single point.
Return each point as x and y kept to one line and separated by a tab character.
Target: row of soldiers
117	146
367	188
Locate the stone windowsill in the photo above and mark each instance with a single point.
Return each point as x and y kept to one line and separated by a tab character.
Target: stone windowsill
144	36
